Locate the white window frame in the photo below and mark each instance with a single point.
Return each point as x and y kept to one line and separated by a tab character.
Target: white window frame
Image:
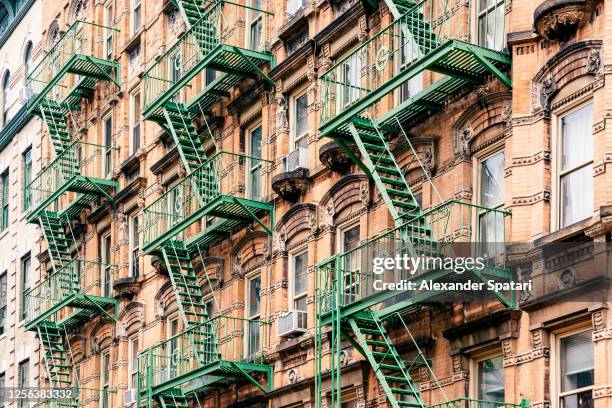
474	370
294	137
136	5
341	249
108	152
257	316
133	361
108	32
478	14
106	246
555	364
105	379
134	249
557	129
135	124
250	168
254	18
295	296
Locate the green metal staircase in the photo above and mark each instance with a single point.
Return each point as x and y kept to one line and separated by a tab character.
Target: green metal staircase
387	175
173	399
180	123
54	115
57	358
55	236
192	10
185	283
376	346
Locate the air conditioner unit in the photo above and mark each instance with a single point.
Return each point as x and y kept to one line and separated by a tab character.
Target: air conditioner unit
129	397
292	324
296	159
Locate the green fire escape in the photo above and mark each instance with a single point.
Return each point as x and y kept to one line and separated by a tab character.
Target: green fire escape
77	176
407	71
214	194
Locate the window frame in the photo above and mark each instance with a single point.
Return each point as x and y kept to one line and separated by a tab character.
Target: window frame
134	250
105	378
255	18
24	282
6	87
27	175
478	14
4	209
555	363
250	168
135	121
136	5
107	134
252	317
133	361
294	137
23	380
108	32
3	302
475	370
106	255
557	140
292	279
350	295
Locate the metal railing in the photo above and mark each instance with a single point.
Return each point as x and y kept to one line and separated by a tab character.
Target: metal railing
405	42
78	277
78	159
80	39
79	397
475	403
457	230
224	174
221	338
226	23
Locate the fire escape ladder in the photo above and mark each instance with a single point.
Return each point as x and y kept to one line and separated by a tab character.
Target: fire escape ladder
57	358
188	142
54	115
390	370
57	242
184	283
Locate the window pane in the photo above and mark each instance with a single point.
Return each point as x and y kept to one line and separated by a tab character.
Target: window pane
577	138
350	238
255	142
301	115
577	361
254	289
300	281
300	304
491	25
577	196
492	181
491	379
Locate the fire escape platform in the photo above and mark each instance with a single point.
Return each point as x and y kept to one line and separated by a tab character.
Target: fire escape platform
235	63
462	64
231	212
88	188
91	69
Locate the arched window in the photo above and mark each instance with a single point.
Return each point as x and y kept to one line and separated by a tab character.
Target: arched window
27	59
5	89
5	18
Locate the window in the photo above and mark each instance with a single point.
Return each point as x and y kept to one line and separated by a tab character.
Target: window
256	25
135	119
253	314
409	51
106	264
490	379
176	71
491	15
27	177
6	80
23	378
210	308
349	240
254	165
209	76
350	85
3	302
300	121
136	16
134	247
27	59
26	263
133	358
173	349
299	285
4	184
108	32
491	223
576	370
576	166
2	385
105	379
108	142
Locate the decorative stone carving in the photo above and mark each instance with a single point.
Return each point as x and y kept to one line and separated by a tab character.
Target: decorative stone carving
78	10
176	23
237	271
548	89
282	120
292	376
558	20
464	141
53	33
429	161
282	240
506	116
334	158
330	212
594	63
312	222
126	287
362	35
345	358
290	185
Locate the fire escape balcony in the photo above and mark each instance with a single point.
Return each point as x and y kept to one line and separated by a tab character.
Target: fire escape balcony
71	294
227	191
71	68
74	179
428	38
229	39
222	351
348	282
